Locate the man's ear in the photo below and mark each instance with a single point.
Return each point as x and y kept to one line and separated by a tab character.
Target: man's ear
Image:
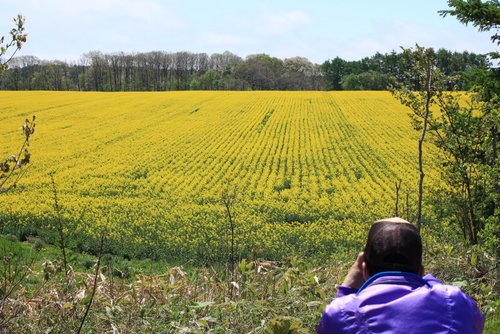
366	275
421	270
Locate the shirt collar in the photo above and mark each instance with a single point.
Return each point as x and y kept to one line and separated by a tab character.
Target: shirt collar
387	277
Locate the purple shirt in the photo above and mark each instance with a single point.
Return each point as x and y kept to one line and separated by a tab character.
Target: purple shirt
402	303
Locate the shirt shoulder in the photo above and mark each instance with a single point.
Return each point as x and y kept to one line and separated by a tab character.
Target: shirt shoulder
462	309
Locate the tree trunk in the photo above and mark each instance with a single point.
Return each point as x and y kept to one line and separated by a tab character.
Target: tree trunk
428	91
396	206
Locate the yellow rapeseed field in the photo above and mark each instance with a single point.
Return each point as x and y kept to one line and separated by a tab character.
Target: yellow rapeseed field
311	169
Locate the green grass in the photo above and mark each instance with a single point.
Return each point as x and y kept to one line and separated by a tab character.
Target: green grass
492	324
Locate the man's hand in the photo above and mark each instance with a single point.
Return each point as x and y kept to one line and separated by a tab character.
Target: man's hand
354	278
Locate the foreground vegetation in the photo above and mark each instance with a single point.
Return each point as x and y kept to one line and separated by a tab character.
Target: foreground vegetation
155	297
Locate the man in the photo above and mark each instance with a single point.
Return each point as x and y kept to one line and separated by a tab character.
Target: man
384	291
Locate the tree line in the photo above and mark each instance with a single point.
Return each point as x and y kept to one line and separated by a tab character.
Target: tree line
164	71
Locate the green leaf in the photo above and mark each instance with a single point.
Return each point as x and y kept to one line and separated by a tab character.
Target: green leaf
202	304
314	303
473	258
459	284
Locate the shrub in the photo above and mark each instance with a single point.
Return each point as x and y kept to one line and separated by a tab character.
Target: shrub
38	245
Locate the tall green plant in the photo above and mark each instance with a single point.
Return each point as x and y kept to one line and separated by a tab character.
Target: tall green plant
482	124
464	129
422	83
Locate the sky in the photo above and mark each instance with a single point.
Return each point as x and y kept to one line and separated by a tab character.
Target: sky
316	29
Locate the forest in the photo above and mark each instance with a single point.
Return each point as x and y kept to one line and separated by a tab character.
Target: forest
165	71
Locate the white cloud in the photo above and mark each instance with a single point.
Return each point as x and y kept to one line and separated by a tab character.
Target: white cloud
283	22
